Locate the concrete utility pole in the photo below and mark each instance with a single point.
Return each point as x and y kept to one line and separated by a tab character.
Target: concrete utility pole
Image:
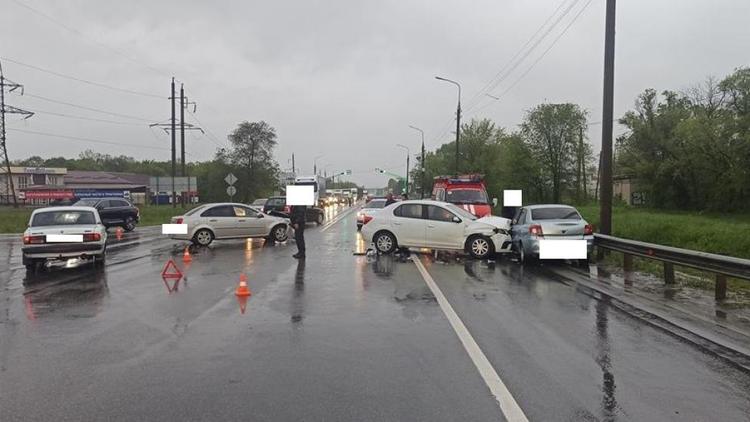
605	211
174	146
11	86
421	164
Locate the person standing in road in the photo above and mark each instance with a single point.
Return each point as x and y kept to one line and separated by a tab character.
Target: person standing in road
389	199
299	220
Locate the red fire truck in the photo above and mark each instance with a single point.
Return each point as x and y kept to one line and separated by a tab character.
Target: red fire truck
467	191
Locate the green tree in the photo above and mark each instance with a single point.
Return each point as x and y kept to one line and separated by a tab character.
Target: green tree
251	152
552	133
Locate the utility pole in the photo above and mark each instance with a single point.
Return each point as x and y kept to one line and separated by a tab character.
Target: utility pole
421	164
171	128
294	169
605	210
11	86
174	136
458	117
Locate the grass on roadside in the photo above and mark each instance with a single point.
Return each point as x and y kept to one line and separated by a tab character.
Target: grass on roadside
724	234
14	220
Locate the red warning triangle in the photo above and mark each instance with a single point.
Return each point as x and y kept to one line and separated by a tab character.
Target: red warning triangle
165	272
175	284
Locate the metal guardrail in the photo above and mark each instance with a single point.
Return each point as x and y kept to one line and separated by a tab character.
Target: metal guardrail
722	266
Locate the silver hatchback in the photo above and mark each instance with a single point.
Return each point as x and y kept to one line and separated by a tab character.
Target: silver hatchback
547	221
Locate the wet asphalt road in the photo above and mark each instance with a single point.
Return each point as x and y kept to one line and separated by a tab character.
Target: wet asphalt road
335	338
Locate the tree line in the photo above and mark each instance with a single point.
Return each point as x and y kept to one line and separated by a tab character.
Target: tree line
682	150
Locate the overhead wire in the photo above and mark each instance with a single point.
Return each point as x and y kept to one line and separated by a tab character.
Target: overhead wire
97	110
74	78
92	140
85	118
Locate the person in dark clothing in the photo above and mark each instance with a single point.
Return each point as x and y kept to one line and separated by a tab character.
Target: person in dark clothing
389	199
299	220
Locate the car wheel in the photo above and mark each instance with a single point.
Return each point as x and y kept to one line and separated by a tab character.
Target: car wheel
279	233
385	242
523	257
480	247
100	260
359	227
129	224
319	219
203	237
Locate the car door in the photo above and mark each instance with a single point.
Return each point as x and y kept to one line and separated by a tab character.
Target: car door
120	209
519	229
248	222
443	230
221	220
409	225
106	212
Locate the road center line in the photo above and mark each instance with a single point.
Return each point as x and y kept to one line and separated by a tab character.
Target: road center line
337	218
508	405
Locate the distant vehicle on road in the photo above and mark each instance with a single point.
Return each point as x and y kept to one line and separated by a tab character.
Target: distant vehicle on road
467	191
62	233
218	221
258	204
276	206
368	210
114	212
547	221
436	225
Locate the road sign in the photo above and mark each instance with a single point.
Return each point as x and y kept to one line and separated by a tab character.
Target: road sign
230	179
231	190
348	172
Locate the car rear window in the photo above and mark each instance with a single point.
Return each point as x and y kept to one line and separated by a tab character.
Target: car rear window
276	201
558	213
375	204
87	202
194	210
62	218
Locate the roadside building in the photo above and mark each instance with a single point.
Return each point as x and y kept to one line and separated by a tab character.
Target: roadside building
34	185
626	189
160	187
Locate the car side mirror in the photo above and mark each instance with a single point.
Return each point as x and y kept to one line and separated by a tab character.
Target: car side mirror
456	219
494	202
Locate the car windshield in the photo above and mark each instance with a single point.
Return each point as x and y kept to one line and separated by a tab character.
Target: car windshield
86	202
63	218
557	213
259	202
375	204
466	196
276	201
461	212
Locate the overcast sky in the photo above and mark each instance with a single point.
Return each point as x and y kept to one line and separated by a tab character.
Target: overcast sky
344	78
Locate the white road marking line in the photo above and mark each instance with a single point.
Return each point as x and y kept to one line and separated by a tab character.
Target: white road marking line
508	405
337	218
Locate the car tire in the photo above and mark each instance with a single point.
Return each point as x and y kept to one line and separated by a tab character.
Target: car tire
279	233
523	257
100	260
203	237
129	224
359	227
480	247
385	242
319	219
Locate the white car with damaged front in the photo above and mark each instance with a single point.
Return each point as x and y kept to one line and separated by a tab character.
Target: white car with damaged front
64	233
437	225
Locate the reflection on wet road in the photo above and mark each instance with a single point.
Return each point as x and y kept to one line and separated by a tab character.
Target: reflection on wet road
340	336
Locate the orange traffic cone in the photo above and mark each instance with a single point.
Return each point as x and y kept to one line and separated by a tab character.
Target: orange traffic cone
242	289
186	256
118	233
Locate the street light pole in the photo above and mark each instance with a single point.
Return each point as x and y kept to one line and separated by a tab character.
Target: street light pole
421	164
458	115
315	164
408	153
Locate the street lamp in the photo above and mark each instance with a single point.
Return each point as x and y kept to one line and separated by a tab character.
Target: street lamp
421	165
315	164
458	115
408	153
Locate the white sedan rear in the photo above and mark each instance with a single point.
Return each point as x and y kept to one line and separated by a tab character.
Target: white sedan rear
230	221
63	233
436	225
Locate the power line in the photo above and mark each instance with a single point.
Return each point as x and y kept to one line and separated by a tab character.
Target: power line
211	137
87	118
559	36
73	78
95	141
90	39
520	50
528	52
112	113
